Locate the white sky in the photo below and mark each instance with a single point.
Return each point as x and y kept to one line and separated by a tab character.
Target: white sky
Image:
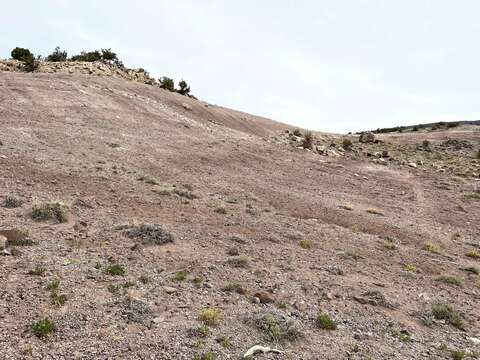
337	65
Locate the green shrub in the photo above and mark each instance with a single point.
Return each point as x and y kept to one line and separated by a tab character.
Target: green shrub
57	55
324	321
445	311
109	55
210	316
180	276
308	140
306	244
167	83
115	270
21	54
43	327
50	211
184	89
90	56
458	354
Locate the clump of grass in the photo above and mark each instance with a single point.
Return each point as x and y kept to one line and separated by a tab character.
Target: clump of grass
37	271
180	276
43	327
115	270
308	140
53	285
347	143
239	261
225	342
57	299
458	354
306	244
325	322
50	211
150	234
197	281
474	254
234	287
186	194
410	267
405	338
148	180
278	328
389	244
210	316
430	247
206	356
221	210
445	311
202	331
451	280
11	202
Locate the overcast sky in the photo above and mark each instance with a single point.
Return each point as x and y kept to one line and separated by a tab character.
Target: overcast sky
336	65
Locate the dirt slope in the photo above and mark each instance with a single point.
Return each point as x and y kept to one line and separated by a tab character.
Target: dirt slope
249	213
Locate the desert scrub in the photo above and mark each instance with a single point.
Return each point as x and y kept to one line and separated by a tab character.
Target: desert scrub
430	247
43	327
474	254
188	194
37	271
202	331
115	270
12	202
221	210
234	287
180	276
306	244
389	244
472	269
150	234
325	322
238	261
210	316
444	311
410	268
206	356
50	211
451	280
277	327
347	143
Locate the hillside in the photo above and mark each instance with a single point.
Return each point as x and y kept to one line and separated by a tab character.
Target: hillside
252	237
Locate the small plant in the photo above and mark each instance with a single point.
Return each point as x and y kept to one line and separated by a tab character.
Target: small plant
325	322
451	280
43	327
38	271
238	261
410	267
115	270
57	55
226	343
12	202
458	354
445	311
210	316
202	331
474	254
221	210
58	299
347	143
306	244
197	281
167	83
50	211
389	244
184	88
180	276
307	142
430	247
53	285
207	356
405	338
277	327
150	234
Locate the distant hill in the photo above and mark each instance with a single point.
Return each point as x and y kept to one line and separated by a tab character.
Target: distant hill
430	126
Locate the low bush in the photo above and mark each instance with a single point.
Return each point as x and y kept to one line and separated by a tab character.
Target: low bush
57	55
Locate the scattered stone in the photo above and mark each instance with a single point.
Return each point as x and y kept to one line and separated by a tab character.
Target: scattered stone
412	165
375	298
170	290
264	297
335	270
186	106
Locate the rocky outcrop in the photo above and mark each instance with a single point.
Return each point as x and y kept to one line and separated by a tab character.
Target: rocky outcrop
80	67
366	137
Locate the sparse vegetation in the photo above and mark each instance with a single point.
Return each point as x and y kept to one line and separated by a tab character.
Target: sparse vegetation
221	210
11	202
234	287
410	267
430	247
474	254
306	244
210	316
238	261
115	270
50	211
206	356
458	354
451	280
150	234
472	269
184	88
389	244
277	327
57	55
167	83
373	211
445	311
43	327
307	142
37	271
325	322
180	276
347	143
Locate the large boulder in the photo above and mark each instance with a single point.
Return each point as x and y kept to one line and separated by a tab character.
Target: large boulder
367	137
